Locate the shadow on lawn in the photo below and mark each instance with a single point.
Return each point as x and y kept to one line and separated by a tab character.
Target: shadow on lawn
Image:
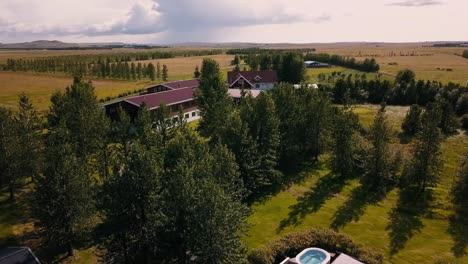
405	219
458	229
313	200
354	207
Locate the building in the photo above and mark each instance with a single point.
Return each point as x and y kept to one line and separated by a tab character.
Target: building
256	80
192	83
18	255
236	94
178	100
316	64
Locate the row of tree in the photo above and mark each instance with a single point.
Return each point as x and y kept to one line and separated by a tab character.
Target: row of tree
465	54
368	65
257	51
404	91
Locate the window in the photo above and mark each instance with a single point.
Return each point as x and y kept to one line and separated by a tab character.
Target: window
198	113
194	114
257	86
187	116
241	81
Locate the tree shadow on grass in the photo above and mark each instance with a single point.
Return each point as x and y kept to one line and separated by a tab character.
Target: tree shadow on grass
458	229
354	207
405	219
313	200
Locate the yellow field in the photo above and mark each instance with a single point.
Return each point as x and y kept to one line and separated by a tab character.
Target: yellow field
424	61
40	87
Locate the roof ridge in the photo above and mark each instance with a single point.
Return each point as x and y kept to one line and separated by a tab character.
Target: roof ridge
20	249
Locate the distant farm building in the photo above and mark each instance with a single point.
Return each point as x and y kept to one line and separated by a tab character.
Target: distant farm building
316	64
178	96
256	80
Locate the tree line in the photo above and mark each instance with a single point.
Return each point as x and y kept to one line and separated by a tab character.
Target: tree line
405	90
257	51
465	54
158	190
368	65
120	65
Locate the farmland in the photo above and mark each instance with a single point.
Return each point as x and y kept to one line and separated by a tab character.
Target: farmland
41	86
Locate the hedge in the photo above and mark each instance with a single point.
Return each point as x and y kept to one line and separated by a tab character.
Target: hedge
293	243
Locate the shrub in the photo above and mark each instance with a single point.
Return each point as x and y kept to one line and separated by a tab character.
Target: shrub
293	243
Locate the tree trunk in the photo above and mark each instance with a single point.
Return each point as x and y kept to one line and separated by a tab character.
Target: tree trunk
70	249
12	193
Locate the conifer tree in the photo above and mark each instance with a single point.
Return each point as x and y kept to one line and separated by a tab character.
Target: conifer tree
213	100
423	170
158	71
412	123
165	73
196	73
150	71
8	161
139	71
133	71
63	201
460	186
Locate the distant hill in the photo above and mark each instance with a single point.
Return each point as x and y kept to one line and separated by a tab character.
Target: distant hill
59	45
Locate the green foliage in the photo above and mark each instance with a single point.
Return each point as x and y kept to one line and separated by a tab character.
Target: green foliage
381	166
196	73
293	243
465	54
345	125
8	162
165	73
203	219
412	123
63	201
424	168
213	100
151	72
131	205
292	69
368	65
448	121
460	186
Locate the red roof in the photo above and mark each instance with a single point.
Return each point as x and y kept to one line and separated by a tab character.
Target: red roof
193	83
251	76
170	97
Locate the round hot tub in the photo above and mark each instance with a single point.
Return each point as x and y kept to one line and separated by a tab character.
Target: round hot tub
313	256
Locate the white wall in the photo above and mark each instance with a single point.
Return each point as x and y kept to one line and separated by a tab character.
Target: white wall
264	86
192	115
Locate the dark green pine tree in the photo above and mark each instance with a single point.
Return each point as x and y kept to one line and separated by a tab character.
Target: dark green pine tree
8	161
139	70
423	170
196	73
265	130
131	206
460	186
203	218
133	71
158	71
29	145
344	129
63	201
150	71
379	170
213	100
165	73
448	119
412	123
292	68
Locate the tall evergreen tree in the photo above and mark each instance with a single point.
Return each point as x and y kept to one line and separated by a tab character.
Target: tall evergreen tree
165	73
343	137
158	71
213	100
63	201
460	186
150	71
424	168
8	161
379	170
412	123
196	73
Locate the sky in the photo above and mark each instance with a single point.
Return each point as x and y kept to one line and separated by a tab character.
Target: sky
260	21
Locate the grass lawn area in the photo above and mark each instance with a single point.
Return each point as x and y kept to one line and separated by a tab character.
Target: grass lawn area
313	73
320	200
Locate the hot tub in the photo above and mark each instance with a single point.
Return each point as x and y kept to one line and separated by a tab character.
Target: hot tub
313	256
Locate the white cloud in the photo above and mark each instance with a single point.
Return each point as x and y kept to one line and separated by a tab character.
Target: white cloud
416	3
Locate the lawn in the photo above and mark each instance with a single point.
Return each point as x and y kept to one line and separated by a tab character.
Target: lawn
320	200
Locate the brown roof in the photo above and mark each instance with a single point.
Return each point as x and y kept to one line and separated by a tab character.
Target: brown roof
193	83
170	97
265	76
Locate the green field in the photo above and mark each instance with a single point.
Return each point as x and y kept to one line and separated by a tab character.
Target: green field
320	201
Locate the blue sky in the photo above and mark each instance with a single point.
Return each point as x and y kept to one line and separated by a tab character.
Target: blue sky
266	21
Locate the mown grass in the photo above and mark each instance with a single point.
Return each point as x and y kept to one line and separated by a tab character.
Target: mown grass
320	200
